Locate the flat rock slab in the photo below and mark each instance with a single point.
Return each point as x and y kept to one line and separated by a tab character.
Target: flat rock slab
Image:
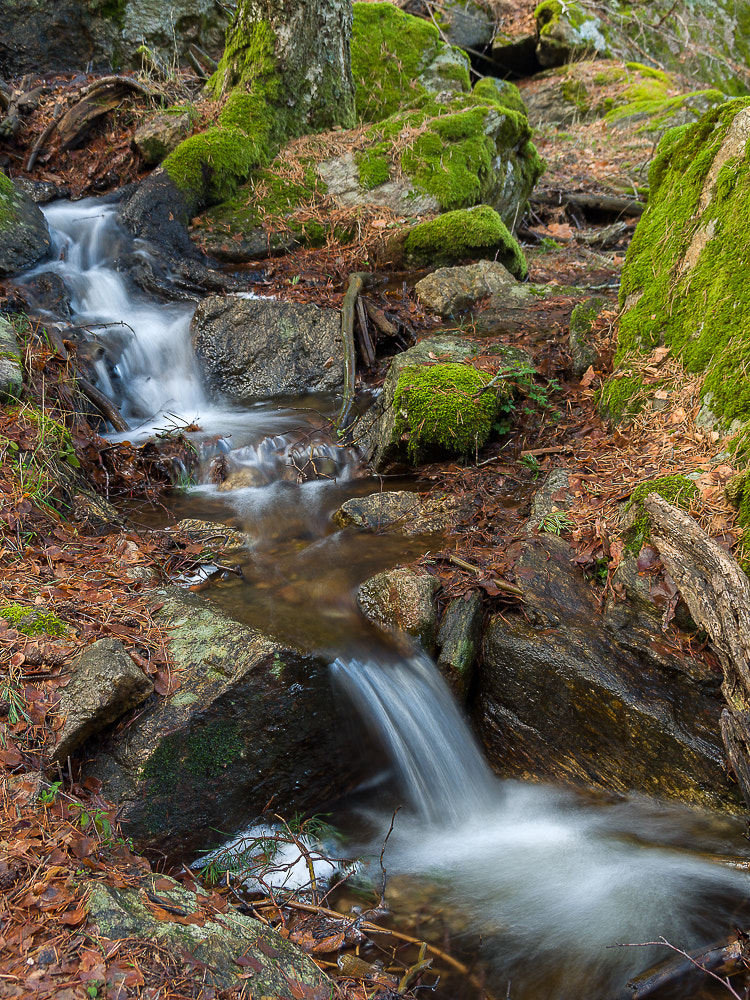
256	348
452	290
408	513
279	967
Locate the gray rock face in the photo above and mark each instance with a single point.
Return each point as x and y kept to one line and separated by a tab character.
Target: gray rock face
105	685
68	34
459	641
451	290
24	236
467	25
255	348
408	513
566	695
11	370
253	720
402	600
160	134
218	942
375	432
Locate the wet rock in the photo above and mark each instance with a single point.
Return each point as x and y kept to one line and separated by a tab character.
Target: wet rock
402	600
46	292
376	433
279	967
160	134
459	641
564	694
242	479
11	369
219	539
24	236
582	348
552	495
452	290
214	752
255	348
105	684
41	192
408	513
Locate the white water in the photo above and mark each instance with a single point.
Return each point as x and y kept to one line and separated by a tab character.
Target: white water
548	880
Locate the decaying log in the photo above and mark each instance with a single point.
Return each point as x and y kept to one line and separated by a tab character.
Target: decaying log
592	202
717	593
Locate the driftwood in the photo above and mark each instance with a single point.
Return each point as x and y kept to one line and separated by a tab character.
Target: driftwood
596	203
717	593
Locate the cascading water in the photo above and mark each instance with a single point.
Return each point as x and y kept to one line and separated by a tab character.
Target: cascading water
548	880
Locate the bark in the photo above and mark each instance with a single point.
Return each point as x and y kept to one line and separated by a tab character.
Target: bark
717	593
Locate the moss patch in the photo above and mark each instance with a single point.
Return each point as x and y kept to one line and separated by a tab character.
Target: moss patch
32	622
8	199
686	277
474	232
676	490
442	408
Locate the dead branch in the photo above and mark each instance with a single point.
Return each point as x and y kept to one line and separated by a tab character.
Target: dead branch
357	282
596	203
105	406
500	584
727	957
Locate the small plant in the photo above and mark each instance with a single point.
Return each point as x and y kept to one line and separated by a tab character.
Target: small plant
48	795
531	462
556	522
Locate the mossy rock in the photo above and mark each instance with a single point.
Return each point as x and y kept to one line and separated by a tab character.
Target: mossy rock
567	32
24	236
686	279
397	59
677	490
476	232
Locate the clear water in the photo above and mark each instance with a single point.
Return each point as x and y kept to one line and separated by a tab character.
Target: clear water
547	882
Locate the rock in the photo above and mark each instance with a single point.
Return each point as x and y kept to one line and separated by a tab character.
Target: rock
567	32
68	35
242	479
218	943
11	369
582	349
566	695
105	684
46	293
408	513
24	236
452	290
556	482
691	295
255	348
469	25
379	432
402	600
161	133
218	749
41	192
459	642
220	541
451	238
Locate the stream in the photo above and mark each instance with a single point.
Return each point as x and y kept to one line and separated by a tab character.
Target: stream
537	885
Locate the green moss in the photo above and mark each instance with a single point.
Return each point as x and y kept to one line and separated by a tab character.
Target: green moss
31	621
389	50
112	10
698	309
621	396
737	492
213	162
474	232
500	92
443	408
676	490
575	92
8	201
548	13
181	761
373	166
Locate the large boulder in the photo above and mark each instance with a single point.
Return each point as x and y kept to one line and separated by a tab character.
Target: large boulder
105	34
11	369
254	348
406	425
24	236
253	721
402	600
685	280
567	694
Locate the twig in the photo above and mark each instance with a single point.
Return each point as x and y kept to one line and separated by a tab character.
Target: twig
500	584
382	853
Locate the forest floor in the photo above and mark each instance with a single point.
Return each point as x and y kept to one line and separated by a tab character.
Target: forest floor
59	554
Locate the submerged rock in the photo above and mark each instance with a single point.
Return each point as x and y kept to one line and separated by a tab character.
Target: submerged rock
105	684
408	513
564	694
216	751
218	942
255	348
24	236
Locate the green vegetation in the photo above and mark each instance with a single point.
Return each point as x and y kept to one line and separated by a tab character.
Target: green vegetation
8	198
556	522
31	621
622	396
677	490
444	407
500	92
474	232
684	284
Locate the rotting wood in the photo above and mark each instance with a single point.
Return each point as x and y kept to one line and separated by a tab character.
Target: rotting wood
717	593
379	318
558	449
357	281
105	406
363	335
596	203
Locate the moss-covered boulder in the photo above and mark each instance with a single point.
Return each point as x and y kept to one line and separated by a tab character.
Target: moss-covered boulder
566	32
397	59
161	133
24	236
686	276
220	746
473	232
224	943
434	403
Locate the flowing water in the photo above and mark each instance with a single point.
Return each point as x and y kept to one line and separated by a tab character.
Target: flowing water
540	882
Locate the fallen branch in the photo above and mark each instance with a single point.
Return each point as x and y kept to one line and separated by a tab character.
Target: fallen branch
596	203
357	282
559	449
500	584
731	954
105	405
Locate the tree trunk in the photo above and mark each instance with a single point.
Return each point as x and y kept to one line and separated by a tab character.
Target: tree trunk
717	593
